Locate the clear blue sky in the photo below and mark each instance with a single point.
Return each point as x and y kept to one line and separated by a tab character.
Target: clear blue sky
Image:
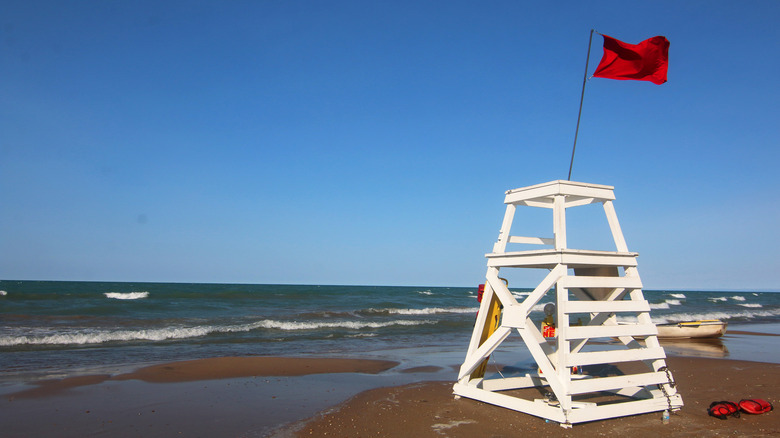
362	142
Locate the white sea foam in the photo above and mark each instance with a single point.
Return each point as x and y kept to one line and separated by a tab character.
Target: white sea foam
353	325
717	298
3	293
100	336
673	302
362	335
752	305
664	305
126	295
738	298
425	311
677	295
425	292
432	310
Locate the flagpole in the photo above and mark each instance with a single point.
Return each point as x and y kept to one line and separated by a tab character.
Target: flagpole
582	97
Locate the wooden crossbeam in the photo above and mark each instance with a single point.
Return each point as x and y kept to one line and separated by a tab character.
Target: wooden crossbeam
616	382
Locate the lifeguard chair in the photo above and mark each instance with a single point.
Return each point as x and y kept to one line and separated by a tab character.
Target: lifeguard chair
620	378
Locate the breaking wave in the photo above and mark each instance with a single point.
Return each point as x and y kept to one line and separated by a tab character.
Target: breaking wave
126	295
352	325
93	336
425	311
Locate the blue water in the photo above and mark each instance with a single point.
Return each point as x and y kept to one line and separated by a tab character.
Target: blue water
61	328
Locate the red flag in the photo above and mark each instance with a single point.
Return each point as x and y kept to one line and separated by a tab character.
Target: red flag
646	61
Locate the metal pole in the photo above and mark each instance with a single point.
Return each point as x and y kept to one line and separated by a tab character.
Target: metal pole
582	97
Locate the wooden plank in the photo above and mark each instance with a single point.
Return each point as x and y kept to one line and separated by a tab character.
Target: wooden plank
542	353
573	201
548	258
585	386
559	221
517	404
610	331
539	203
606	306
560	187
506	225
531	240
514	316
499	287
622	409
472	361
606	282
508	383
549	280
614	226
614	356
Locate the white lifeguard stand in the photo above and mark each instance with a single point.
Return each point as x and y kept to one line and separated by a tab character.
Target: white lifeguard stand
596	284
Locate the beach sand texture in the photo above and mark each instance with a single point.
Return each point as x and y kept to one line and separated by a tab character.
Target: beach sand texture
429	409
240	397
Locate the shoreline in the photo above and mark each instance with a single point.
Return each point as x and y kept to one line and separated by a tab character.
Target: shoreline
216	368
370	394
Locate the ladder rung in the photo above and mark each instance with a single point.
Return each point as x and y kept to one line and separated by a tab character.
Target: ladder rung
609	331
602	282
613	356
606	306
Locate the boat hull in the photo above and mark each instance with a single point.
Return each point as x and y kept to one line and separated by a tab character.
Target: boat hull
693	329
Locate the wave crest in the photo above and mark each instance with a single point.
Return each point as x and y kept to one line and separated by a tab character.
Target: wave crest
162	334
424	311
126	295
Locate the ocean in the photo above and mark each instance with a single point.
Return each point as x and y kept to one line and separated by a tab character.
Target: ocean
51	329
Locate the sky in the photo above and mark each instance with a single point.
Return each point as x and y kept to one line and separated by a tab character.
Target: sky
372	142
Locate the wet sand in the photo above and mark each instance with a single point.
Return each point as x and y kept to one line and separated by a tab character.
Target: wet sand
215	369
253	396
218	397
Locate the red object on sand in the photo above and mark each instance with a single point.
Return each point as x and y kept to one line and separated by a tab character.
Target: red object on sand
646	61
723	409
755	406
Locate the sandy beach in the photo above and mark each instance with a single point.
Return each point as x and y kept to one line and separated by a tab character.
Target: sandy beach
286	397
429	409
